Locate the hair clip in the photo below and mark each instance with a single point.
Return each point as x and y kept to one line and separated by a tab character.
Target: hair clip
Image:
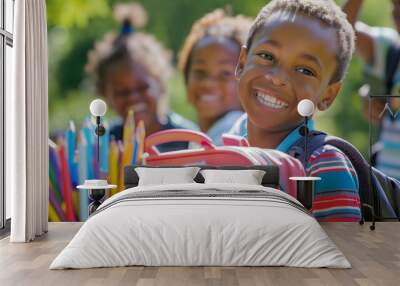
127	28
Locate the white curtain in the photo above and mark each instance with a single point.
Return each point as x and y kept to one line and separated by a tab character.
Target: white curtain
26	124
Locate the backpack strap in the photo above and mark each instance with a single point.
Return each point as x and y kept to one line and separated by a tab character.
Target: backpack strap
316	139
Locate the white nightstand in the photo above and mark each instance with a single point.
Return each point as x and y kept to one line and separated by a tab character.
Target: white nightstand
96	191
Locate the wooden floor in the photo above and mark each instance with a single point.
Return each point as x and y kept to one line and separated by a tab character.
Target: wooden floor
374	255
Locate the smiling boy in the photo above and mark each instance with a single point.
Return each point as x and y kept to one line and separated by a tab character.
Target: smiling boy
299	49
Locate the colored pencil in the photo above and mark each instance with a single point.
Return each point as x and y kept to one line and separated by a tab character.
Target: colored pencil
89	138
104	150
95	162
126	148
70	144
66	182
140	137
54	170
120	185
52	214
70	138
113	164
129	128
83	170
129	137
56	206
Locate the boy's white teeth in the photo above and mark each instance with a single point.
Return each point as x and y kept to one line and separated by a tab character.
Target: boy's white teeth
208	97
270	101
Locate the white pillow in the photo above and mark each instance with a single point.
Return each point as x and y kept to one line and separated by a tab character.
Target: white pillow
248	177
163	176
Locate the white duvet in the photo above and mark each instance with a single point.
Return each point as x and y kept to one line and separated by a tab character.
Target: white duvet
207	230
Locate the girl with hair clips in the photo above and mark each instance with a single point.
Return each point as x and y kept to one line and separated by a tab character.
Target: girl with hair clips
130	70
207	61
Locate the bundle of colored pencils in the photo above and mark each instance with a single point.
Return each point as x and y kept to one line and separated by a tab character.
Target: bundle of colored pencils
73	159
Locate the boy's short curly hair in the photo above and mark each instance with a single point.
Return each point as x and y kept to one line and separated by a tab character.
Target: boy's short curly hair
129	46
325	11
216	24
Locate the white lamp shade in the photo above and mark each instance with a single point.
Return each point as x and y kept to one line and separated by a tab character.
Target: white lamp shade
306	108
98	107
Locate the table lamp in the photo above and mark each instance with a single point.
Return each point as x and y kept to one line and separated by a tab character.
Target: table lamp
306	109
97	187
305	185
98	108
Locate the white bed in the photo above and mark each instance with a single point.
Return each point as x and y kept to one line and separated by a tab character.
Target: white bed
222	225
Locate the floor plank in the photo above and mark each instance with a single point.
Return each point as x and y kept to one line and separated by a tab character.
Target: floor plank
374	255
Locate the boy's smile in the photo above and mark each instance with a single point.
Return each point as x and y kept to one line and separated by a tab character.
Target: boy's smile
270	99
291	57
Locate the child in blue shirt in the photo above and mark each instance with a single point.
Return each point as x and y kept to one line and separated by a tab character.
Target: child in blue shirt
299	49
207	61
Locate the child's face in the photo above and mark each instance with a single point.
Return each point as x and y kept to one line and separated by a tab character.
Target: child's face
129	86
290	58
211	86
